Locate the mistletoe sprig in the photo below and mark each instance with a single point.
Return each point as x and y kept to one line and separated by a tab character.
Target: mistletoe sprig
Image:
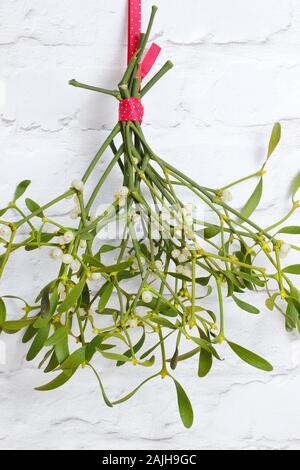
176	260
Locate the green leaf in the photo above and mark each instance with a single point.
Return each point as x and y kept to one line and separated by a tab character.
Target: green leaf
293	269
34	207
17	325
292	316
45	302
85	297
245	306
295	185
206	345
21	188
251	278
105	295
211	232
270	302
42	238
46	356
2	312
41	322
57	336
57	382
275	138
184	405
92	261
105	398
148	363
291	230
165	307
116	268
205	363
187	355
72	296
115	357
75	359
53	364
107	248
253	201
250	358
205	358
86	236
174	360
136	348
29	334
164	322
38	343
3	211
62	350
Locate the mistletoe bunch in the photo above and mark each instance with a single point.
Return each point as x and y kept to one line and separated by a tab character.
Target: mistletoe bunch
175	258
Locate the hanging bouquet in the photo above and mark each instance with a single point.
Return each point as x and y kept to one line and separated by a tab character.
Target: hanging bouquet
175	259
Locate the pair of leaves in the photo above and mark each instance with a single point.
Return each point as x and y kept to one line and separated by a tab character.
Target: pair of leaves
69	366
136	348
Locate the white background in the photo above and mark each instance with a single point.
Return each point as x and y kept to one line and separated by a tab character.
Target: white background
237	72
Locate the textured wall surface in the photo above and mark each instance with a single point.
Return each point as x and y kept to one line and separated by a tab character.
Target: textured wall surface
237	72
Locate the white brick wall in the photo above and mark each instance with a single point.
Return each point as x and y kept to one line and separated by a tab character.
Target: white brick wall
237	71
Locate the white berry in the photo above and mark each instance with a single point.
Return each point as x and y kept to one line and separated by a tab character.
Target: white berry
124	191
133	322
68	237
175	253
75	265
56	253
83	244
159	265
78	185
67	259
74	214
5	231
284	250
182	258
61	288
180	269
95	277
226	196
147	297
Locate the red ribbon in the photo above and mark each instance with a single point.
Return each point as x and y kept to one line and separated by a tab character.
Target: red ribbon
131	109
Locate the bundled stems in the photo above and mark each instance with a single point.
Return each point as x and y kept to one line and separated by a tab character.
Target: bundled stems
176	260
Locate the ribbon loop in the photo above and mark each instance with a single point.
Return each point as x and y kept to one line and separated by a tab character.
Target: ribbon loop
131	109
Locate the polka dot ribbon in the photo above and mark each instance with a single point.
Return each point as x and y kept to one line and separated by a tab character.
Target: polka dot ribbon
131	109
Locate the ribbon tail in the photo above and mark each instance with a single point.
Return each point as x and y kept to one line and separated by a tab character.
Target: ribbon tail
149	60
